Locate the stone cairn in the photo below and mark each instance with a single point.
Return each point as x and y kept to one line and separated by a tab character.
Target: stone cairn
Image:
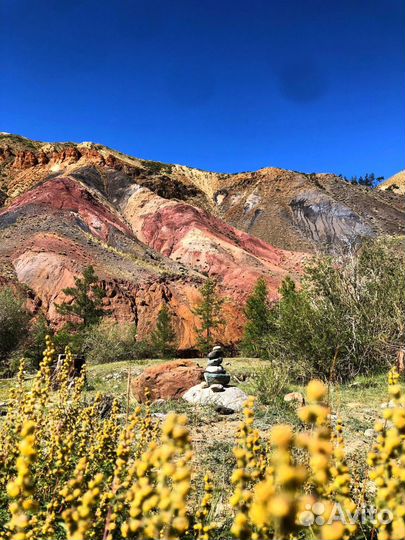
215	375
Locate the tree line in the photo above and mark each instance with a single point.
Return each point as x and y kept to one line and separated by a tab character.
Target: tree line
368	180
346	317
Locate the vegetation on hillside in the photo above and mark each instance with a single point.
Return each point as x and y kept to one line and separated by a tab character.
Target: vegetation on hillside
346	318
209	312
14	325
163	338
368	180
85	303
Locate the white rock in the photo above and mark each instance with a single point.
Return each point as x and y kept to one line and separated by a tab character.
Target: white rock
295	396
389	405
369	432
252	201
219	198
232	397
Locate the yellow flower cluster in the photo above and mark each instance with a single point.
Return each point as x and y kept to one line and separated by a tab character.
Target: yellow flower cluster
20	490
387	460
68	473
276	500
281	500
157	497
250	467
203	527
67	470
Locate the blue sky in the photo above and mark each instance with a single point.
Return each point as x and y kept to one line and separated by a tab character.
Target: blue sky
309	85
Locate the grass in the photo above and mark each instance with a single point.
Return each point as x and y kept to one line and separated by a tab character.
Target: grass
358	404
213	436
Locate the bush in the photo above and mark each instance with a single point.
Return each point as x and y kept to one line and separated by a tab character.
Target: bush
110	341
14	321
34	345
270	383
348	317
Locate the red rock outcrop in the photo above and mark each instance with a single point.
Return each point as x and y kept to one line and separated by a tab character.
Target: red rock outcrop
110	161
67	156
42	158
93	156
25	160
166	381
5	153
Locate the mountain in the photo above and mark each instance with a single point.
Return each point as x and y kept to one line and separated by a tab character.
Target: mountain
395	184
154	231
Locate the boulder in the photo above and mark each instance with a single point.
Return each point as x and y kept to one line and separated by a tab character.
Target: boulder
295	397
167	381
231	397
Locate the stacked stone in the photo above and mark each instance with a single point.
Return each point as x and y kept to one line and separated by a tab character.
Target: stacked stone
214	373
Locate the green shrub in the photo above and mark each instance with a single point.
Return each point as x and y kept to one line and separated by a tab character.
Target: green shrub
110	341
257	312
163	338
14	323
34	345
270	383
348	317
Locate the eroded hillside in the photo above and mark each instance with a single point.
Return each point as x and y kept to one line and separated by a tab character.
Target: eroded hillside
152	233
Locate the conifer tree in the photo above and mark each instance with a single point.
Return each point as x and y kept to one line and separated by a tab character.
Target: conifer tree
257	312
87	299
164	336
209	311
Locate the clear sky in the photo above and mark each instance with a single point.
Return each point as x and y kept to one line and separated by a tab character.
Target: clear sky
310	85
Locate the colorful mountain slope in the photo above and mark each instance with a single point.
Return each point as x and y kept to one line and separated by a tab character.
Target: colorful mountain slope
154	231
149	235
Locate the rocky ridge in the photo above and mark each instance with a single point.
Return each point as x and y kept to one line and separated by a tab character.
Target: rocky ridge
395	184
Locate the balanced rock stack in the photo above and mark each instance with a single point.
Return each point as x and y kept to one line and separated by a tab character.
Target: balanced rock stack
215	373
215	390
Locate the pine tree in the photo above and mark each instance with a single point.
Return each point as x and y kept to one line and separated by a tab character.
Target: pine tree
87	299
257	312
209	312
164	336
